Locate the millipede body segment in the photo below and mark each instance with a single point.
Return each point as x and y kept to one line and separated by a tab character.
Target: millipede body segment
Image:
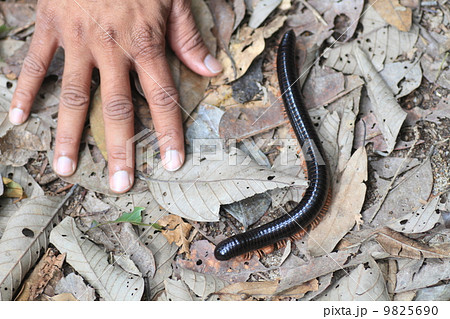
316	199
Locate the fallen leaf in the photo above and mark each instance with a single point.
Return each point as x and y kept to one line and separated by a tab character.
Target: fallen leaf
380	42
12	189
361	284
176	231
25	235
262	10
234	270
197	190
63	297
388	112
97	123
263	290
46	269
399	245
203	285
176	290
393	13
344	212
421	220
416	274
74	285
248	44
91	262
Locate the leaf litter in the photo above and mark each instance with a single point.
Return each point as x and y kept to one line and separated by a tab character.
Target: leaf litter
373	76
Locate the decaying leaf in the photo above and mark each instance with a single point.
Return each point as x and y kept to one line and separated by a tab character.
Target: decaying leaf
74	284
91	262
388	112
360	284
197	190
26	234
176	231
421	220
177	290
399	245
48	266
12	189
393	13
381	42
243	49
203	285
348	198
261	11
263	289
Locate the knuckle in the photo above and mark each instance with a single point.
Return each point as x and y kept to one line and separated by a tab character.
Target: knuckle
147	43
77	32
74	97
65	139
33	66
164	99
191	42
108	37
118	108
45	20
117	153
24	95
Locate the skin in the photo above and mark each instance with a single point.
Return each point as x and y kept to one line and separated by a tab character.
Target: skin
115	37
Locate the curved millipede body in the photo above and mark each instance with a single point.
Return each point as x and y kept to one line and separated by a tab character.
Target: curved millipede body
315	201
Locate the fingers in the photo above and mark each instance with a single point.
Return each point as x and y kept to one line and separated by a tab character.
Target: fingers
187	43
119	121
34	69
162	96
74	103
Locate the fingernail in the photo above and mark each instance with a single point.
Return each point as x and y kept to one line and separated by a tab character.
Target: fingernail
172	160
16	116
65	166
212	64
120	181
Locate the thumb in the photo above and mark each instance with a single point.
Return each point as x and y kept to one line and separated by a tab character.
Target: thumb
187	43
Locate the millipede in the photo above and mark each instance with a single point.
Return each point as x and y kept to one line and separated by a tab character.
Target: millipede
315	202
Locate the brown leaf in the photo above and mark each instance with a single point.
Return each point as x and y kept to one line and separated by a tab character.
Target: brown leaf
345	206
264	289
234	270
48	267
97	123
401	246
176	231
393	13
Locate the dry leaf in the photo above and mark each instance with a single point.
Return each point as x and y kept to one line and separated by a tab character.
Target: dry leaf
248	44
401	246
421	220
197	190
234	270
75	286
43	272
388	112
97	123
262	10
361	284
176	231
91	262
176	290
345	207
416	274
63	297
382	44
203	285
394	13
25	235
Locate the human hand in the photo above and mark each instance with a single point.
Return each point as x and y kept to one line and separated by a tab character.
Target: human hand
115	37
